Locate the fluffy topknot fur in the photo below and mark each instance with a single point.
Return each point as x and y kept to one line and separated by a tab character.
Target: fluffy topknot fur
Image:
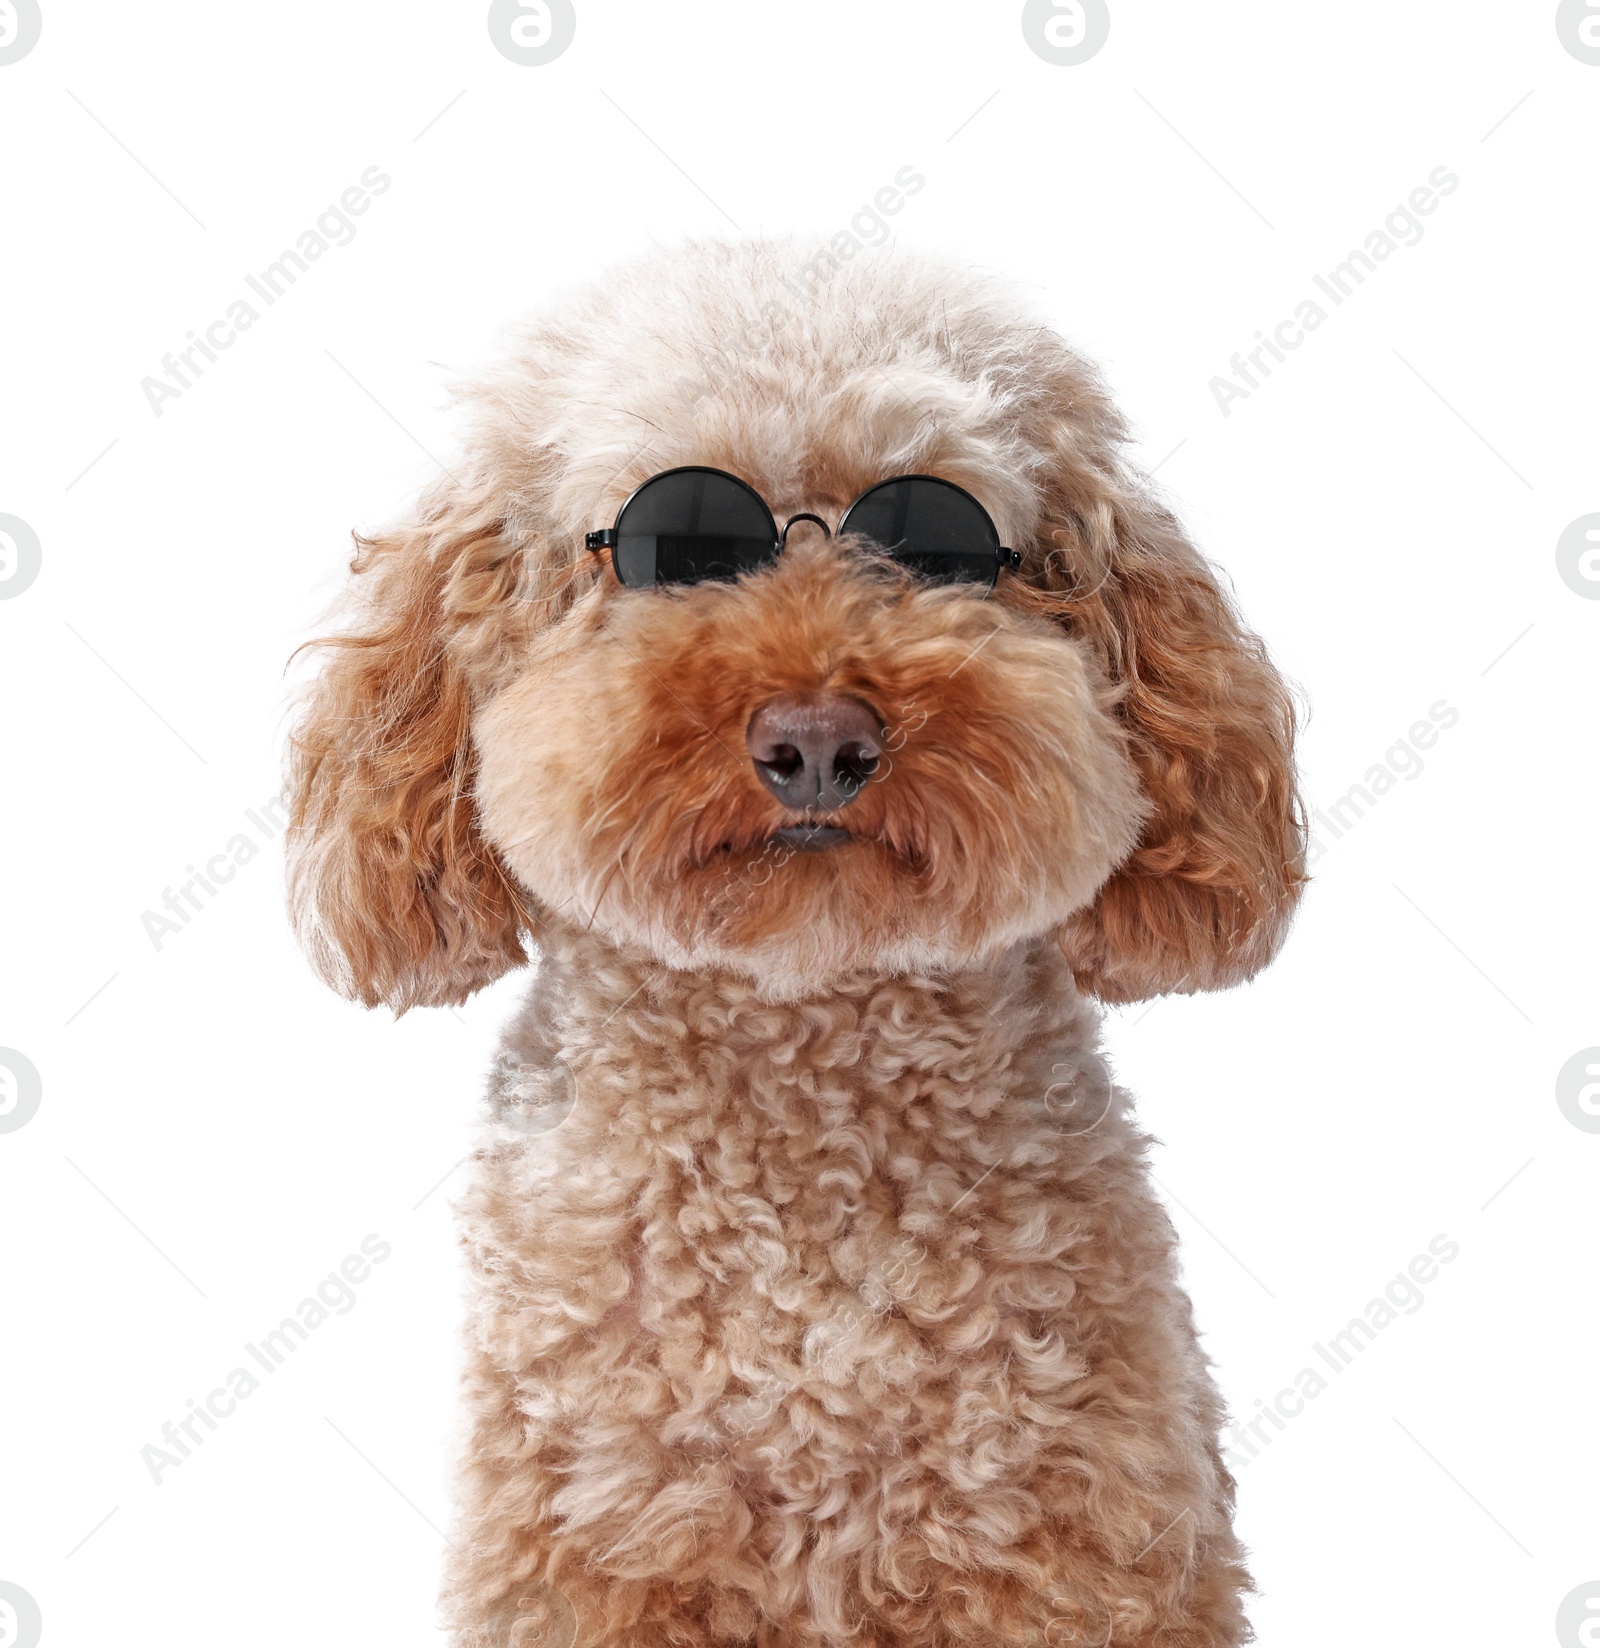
703	1413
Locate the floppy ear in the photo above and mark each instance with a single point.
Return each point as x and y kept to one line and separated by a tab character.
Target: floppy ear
1205	898
395	893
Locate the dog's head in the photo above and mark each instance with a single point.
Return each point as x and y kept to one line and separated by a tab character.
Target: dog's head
828	766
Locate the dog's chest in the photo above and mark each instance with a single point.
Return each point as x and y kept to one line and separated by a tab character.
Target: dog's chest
792	1253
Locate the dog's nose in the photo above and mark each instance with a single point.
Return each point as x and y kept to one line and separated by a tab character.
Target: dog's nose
815	754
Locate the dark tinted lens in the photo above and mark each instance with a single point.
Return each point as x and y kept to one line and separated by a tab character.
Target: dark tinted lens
690	525
931	526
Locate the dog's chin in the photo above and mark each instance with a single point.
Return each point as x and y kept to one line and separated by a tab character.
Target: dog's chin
810	909
915	881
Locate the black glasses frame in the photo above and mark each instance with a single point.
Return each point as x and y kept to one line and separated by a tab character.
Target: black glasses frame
1004	559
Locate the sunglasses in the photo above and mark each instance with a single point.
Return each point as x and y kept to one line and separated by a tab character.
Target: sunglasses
694	525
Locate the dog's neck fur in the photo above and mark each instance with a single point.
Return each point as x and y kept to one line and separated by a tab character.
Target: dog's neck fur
705	1047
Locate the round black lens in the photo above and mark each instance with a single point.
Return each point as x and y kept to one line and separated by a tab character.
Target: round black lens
931	526
691	525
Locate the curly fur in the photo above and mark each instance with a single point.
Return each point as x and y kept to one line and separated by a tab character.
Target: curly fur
828	1312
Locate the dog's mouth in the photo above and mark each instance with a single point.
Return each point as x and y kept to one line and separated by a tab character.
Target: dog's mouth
812	838
774	842
778	843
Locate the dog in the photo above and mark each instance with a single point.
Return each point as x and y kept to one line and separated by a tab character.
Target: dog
820	1294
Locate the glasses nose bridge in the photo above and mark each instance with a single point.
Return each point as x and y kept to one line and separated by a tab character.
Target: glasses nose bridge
794	520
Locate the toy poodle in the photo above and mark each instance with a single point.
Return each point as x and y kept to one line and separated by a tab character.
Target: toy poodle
794	671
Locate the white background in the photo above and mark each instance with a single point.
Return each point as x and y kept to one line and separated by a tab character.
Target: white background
1387	505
